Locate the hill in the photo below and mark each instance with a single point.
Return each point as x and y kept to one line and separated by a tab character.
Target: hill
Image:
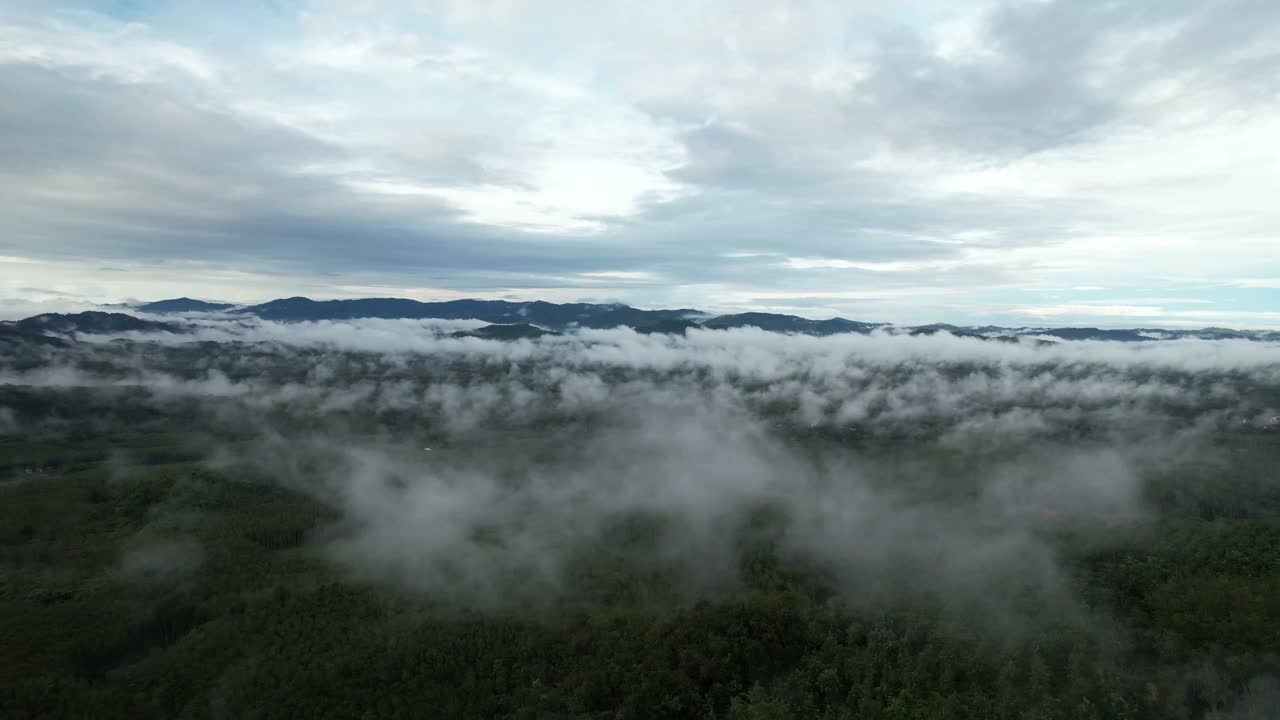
555	315
789	324
181	305
91	322
13	336
519	331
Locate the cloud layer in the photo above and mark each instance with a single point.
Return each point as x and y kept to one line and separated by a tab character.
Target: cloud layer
490	472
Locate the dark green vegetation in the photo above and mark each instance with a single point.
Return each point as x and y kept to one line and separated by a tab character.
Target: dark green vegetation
169	590
156	561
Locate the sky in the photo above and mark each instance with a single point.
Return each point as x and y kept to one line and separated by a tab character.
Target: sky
1043	162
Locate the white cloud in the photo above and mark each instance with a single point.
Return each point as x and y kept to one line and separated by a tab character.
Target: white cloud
797	263
621	275
1133	311
1267	283
127	51
935	148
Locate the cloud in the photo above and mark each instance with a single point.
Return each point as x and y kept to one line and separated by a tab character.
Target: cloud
891	380
1128	311
682	446
1267	283
161	561
980	150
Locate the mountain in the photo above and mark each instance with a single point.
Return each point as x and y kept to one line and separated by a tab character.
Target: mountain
554	315
935	327
987	334
789	324
951	330
1089	333
564	317
1209	333
634	318
838	325
92	323
182	305
300	309
519	331
1217	333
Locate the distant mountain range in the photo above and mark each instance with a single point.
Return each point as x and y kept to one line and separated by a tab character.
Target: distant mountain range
567	316
550	315
516	320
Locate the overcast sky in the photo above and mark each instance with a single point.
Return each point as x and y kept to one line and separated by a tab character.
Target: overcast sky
1046	162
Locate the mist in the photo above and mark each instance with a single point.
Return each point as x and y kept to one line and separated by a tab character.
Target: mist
484	473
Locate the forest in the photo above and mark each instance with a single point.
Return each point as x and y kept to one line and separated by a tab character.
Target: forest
623	526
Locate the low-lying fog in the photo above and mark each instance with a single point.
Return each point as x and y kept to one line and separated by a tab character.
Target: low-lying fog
483	470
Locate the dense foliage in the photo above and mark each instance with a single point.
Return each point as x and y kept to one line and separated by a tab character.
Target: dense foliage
160	572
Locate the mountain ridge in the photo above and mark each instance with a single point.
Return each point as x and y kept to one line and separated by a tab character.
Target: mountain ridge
543	318
92	322
181	305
